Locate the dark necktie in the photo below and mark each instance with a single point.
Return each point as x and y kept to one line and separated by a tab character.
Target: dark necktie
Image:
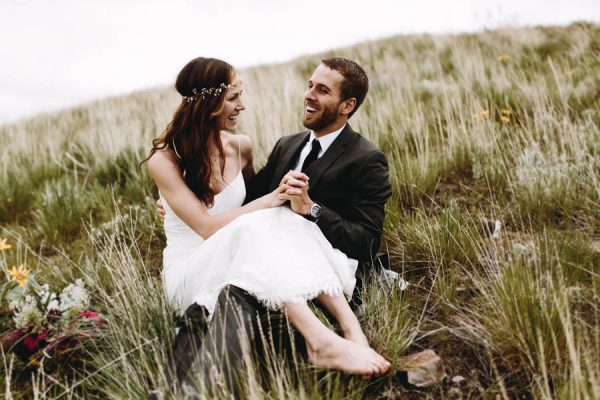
312	156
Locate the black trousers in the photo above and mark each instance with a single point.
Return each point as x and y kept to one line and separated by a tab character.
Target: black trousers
241	331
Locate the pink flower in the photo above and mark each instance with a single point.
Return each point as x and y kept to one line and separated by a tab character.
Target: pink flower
33	341
89	314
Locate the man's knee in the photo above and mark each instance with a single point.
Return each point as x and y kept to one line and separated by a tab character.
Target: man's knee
236	298
230	291
235	311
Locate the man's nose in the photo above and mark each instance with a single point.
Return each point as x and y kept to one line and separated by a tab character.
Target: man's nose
309	94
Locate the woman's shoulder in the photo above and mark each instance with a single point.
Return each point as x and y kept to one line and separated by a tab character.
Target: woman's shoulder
241	143
161	159
245	144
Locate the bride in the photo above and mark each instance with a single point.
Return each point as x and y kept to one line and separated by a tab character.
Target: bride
263	247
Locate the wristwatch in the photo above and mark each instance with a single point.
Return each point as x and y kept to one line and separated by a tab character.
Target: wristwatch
313	213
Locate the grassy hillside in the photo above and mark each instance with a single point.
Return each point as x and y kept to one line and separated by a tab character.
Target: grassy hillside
502	125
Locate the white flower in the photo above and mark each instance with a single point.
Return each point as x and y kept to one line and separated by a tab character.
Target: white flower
26	312
13	305
74	297
47	297
53	305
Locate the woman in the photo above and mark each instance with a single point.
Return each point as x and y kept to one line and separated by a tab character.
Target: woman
214	241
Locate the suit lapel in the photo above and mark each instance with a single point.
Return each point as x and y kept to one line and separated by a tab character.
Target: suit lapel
293	149
337	148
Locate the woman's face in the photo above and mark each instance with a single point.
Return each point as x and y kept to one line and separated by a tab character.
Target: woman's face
232	107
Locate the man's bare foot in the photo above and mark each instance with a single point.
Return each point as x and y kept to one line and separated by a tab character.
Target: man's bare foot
344	355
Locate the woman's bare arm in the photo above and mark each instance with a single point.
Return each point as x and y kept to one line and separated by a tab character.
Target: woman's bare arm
187	206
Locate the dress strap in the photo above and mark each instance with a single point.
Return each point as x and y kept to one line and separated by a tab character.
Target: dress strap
239	153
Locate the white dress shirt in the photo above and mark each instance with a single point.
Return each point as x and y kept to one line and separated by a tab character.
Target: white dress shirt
325	141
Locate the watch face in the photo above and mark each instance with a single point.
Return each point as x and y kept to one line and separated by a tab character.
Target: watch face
315	211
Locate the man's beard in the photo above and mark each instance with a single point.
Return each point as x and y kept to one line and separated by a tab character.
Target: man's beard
327	118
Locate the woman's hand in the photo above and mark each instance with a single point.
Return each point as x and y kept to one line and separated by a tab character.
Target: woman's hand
274	199
160	210
296	191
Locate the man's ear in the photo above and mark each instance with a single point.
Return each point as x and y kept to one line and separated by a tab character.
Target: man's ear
347	106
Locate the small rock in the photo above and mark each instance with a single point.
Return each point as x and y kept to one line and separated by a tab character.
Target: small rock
391	277
423	368
458	379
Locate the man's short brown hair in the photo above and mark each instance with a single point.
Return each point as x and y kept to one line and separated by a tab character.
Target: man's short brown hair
356	82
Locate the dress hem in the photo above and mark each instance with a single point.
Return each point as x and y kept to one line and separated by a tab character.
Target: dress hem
275	304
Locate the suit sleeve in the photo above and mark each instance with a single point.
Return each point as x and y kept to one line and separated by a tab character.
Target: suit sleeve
260	183
358	233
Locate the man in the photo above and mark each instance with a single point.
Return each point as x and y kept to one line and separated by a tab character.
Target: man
333	177
345	188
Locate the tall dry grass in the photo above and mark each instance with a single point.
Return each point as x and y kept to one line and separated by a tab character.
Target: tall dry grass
500	125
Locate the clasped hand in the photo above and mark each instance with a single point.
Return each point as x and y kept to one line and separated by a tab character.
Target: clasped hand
294	187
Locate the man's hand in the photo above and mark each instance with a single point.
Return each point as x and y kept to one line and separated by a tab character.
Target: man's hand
160	210
296	191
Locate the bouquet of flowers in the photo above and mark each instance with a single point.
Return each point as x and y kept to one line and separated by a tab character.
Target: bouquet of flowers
49	327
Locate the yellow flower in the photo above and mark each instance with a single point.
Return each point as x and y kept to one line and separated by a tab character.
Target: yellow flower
503	57
505	111
20	274
4	245
482	114
505	120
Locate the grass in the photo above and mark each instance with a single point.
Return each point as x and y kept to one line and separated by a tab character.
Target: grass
501	125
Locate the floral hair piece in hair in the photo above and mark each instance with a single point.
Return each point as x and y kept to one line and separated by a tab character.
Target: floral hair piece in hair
213	91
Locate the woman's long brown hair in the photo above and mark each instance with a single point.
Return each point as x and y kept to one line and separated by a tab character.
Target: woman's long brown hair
193	130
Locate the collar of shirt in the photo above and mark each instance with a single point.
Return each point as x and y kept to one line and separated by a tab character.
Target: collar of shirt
325	141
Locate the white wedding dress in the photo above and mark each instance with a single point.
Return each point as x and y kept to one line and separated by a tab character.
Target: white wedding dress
274	254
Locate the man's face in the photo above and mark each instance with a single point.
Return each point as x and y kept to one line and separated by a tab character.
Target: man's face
322	99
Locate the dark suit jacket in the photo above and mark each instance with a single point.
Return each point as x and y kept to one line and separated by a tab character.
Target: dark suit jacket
350	181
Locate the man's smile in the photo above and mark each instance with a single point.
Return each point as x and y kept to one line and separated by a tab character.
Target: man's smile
311	109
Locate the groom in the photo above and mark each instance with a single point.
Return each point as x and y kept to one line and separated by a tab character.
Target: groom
333	177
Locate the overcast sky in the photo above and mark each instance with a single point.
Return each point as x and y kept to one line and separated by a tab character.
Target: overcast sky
58	53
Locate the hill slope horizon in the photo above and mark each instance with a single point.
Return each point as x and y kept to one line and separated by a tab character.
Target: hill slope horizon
314	57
